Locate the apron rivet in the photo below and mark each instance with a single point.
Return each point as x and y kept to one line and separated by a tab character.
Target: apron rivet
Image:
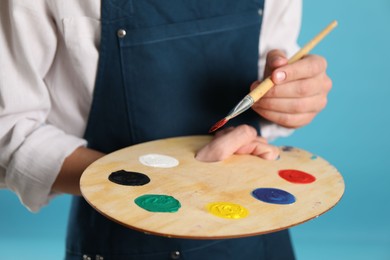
121	33
175	255
260	12
86	257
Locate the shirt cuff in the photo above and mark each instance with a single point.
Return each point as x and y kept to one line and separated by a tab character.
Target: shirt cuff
272	131
36	164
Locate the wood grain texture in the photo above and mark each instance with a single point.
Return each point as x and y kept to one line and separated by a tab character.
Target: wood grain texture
196	184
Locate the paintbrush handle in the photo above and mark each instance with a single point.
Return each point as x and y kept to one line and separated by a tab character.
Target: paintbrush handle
267	84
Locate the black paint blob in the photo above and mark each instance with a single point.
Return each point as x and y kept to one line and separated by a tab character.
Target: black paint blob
123	177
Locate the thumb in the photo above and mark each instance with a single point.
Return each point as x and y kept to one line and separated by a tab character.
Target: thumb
274	60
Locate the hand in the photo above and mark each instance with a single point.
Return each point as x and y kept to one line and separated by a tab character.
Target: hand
242	139
300	90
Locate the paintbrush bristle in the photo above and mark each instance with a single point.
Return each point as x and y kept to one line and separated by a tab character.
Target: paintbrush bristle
218	125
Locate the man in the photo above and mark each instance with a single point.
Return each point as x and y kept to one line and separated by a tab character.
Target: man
80	80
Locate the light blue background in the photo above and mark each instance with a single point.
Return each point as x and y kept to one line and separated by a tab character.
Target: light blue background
352	133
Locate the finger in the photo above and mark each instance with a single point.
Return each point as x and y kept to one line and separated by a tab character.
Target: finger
223	131
307	67
288	120
275	59
319	85
227	144
260	149
262	140
312	104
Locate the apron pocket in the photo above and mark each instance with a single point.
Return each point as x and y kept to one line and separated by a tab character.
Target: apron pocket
181	78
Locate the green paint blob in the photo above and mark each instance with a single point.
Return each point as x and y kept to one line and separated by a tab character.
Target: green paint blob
158	203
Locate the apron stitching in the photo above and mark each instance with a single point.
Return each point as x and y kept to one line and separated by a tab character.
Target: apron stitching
128	95
120	9
188	35
180	30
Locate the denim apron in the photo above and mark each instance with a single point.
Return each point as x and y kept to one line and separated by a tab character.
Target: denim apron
168	68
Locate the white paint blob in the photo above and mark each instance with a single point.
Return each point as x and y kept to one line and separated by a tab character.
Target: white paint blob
158	160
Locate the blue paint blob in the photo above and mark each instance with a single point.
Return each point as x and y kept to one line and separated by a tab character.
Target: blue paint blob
313	157
273	196
287	148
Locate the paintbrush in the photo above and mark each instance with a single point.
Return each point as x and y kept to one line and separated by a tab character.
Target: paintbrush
267	84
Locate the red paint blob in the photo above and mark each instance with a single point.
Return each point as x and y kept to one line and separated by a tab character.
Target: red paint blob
296	176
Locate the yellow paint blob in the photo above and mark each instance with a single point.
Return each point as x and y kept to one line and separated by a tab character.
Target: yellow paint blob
227	210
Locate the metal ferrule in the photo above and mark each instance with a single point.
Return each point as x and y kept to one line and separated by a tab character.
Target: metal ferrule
241	107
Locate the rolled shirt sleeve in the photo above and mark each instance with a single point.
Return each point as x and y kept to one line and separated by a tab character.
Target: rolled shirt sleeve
32	150
280	30
35	164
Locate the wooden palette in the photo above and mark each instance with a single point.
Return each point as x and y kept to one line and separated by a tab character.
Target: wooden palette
196	184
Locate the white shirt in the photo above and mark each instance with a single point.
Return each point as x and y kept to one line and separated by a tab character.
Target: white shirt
48	62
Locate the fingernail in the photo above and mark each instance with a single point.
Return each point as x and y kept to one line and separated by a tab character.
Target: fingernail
280	76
